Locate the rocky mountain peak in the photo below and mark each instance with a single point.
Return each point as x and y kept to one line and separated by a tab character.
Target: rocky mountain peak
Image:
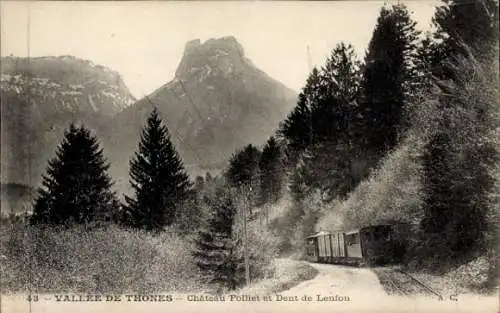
218	102
223	55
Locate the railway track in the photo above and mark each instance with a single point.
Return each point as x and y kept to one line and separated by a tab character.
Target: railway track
396	281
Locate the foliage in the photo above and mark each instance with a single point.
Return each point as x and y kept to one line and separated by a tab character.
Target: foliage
161	185
333	109
461	156
388	79
103	260
77	187
262	248
244	168
220	245
391	193
332	155
215	251
271	165
454	20
462	149
296	130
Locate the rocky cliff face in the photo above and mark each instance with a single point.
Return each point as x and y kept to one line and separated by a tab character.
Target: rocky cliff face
217	103
40	97
65	84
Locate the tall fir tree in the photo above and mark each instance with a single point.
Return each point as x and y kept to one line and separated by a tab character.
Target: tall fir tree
215	252
333	119
272	172
296	129
389	76
430	53
463	28
463	24
333	111
161	185
76	187
314	88
244	168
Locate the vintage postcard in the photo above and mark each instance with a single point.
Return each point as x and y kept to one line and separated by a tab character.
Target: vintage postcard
249	156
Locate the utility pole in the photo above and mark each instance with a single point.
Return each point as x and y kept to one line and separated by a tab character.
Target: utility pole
309	59
245	238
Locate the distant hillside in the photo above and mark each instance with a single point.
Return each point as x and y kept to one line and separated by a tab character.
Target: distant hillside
40	97
217	102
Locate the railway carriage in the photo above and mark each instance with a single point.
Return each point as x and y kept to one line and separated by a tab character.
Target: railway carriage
377	244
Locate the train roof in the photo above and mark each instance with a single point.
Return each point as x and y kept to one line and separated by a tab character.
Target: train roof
353	231
390	224
320	233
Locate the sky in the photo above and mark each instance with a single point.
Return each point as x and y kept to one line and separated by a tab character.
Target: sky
144	41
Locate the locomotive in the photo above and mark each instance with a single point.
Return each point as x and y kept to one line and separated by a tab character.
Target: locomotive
371	245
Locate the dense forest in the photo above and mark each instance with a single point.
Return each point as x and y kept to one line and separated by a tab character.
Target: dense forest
409	133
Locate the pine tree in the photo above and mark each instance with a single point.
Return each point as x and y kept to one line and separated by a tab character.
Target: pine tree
333	112
161	185
429	55
244	168
215	252
77	187
342	73
388	79
272	172
463	28
314	89
463	24
296	129
333	120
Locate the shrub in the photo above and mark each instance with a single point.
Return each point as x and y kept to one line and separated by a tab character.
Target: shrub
262	249
106	259
391	193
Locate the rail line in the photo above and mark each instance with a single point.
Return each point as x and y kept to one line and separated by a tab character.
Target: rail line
424	286
397	281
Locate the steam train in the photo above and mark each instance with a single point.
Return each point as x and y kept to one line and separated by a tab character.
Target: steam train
372	245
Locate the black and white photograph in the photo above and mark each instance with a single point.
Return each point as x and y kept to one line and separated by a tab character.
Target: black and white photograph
250	156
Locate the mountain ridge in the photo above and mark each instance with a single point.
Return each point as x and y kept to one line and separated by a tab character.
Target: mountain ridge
217	102
40	96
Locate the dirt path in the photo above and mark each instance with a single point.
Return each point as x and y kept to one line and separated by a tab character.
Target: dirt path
341	280
352	289
334	289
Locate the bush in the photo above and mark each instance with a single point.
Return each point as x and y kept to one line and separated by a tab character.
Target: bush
472	275
391	193
262	249
295	223
98	260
